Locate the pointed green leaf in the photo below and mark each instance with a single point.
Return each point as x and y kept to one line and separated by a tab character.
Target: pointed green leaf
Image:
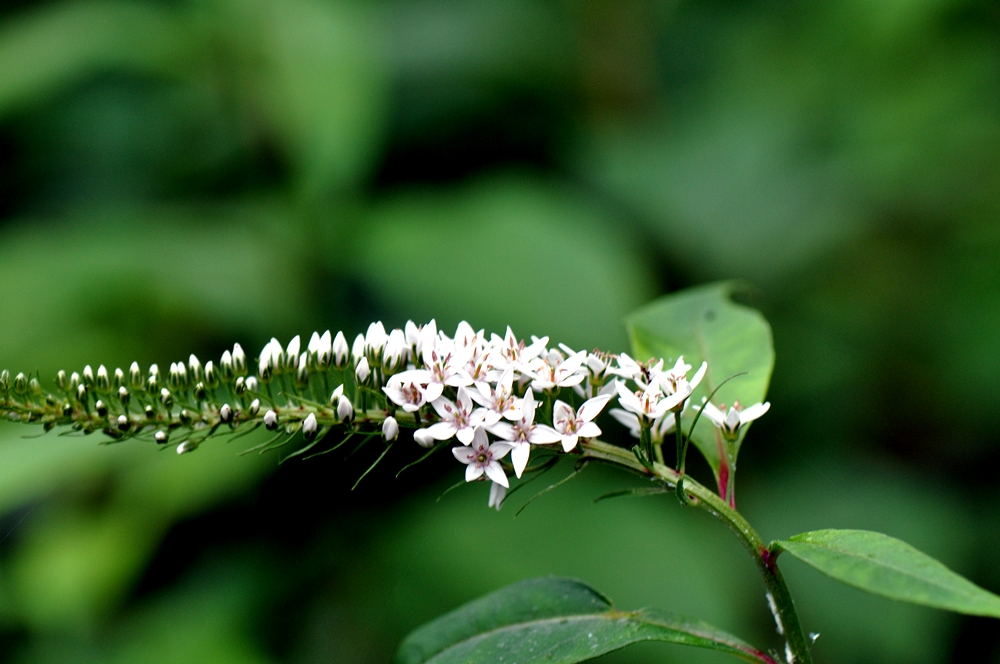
704	324
556	621
891	568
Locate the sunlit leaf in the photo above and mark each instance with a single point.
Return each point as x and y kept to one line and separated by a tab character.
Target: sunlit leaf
704	324
891	568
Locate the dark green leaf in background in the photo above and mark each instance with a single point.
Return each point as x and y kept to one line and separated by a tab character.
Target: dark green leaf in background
557	621
704	324
886	566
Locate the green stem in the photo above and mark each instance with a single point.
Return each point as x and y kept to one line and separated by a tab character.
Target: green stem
784	607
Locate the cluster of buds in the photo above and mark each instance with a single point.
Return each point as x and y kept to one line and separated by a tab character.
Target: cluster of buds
495	399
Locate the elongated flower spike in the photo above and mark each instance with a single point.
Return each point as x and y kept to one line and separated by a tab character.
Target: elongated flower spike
474	392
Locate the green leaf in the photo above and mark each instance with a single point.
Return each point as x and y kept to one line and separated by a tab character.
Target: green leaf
704	324
891	568
556	621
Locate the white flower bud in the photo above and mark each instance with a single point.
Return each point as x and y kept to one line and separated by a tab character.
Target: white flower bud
226	413
88	376
62	380
103	382
135	376
324	351
252	384
187	446
124	423
358	348
154	370
345	411
292	354
101	408
362	372
241	385
124	396
161	437
337	393
81	393
390	428
211	375
194	369
340	351
271	420
226	366
239	361
74	380
423	438
166	398
119	377
375	340
310	427
264	366
412	333
254	408
396	351
302	373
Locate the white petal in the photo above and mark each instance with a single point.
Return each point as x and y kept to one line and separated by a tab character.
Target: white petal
714	414
519	457
441	431
433	392
463	454
473	472
562	412
424	439
444	407
528	408
754	412
500	450
502	430
589	430
497	493
495	473
629	420
465	435
698	376
592	407
569	442
544	435
627	399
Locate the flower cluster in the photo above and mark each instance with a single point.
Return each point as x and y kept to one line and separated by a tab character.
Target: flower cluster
499	398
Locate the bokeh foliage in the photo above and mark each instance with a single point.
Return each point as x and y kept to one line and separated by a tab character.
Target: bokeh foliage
179	175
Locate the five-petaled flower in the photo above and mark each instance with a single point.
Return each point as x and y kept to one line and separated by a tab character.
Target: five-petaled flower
730	423
573	425
524	433
458	418
482	458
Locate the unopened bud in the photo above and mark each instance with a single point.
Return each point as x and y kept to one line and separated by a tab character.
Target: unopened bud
88	376
150	413
103	381
161	437
375	341
187	446
4	380
135	376
194	369
362	371
254	408
341	352
67	409
324	352
423	438
185	417
35	387
241	385
153	384
252	384
264	369
74	381
226	367
199	392
358	348
390	428
226	413
239	361
310	427
124	396
345	411
101	408
81	393
271	420
166	398
20	384
119	377
211	375
337	393
302	374
291	359
124	423
62	380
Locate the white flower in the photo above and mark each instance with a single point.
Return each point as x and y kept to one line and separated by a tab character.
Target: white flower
554	371
423	438
445	370
510	352
648	403
407	389
458	419
497	493
730	423
390	428
498	401
676	385
524	432
482	458
573	425
340	351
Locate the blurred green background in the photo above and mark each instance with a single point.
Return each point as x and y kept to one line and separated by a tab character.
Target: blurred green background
179	175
